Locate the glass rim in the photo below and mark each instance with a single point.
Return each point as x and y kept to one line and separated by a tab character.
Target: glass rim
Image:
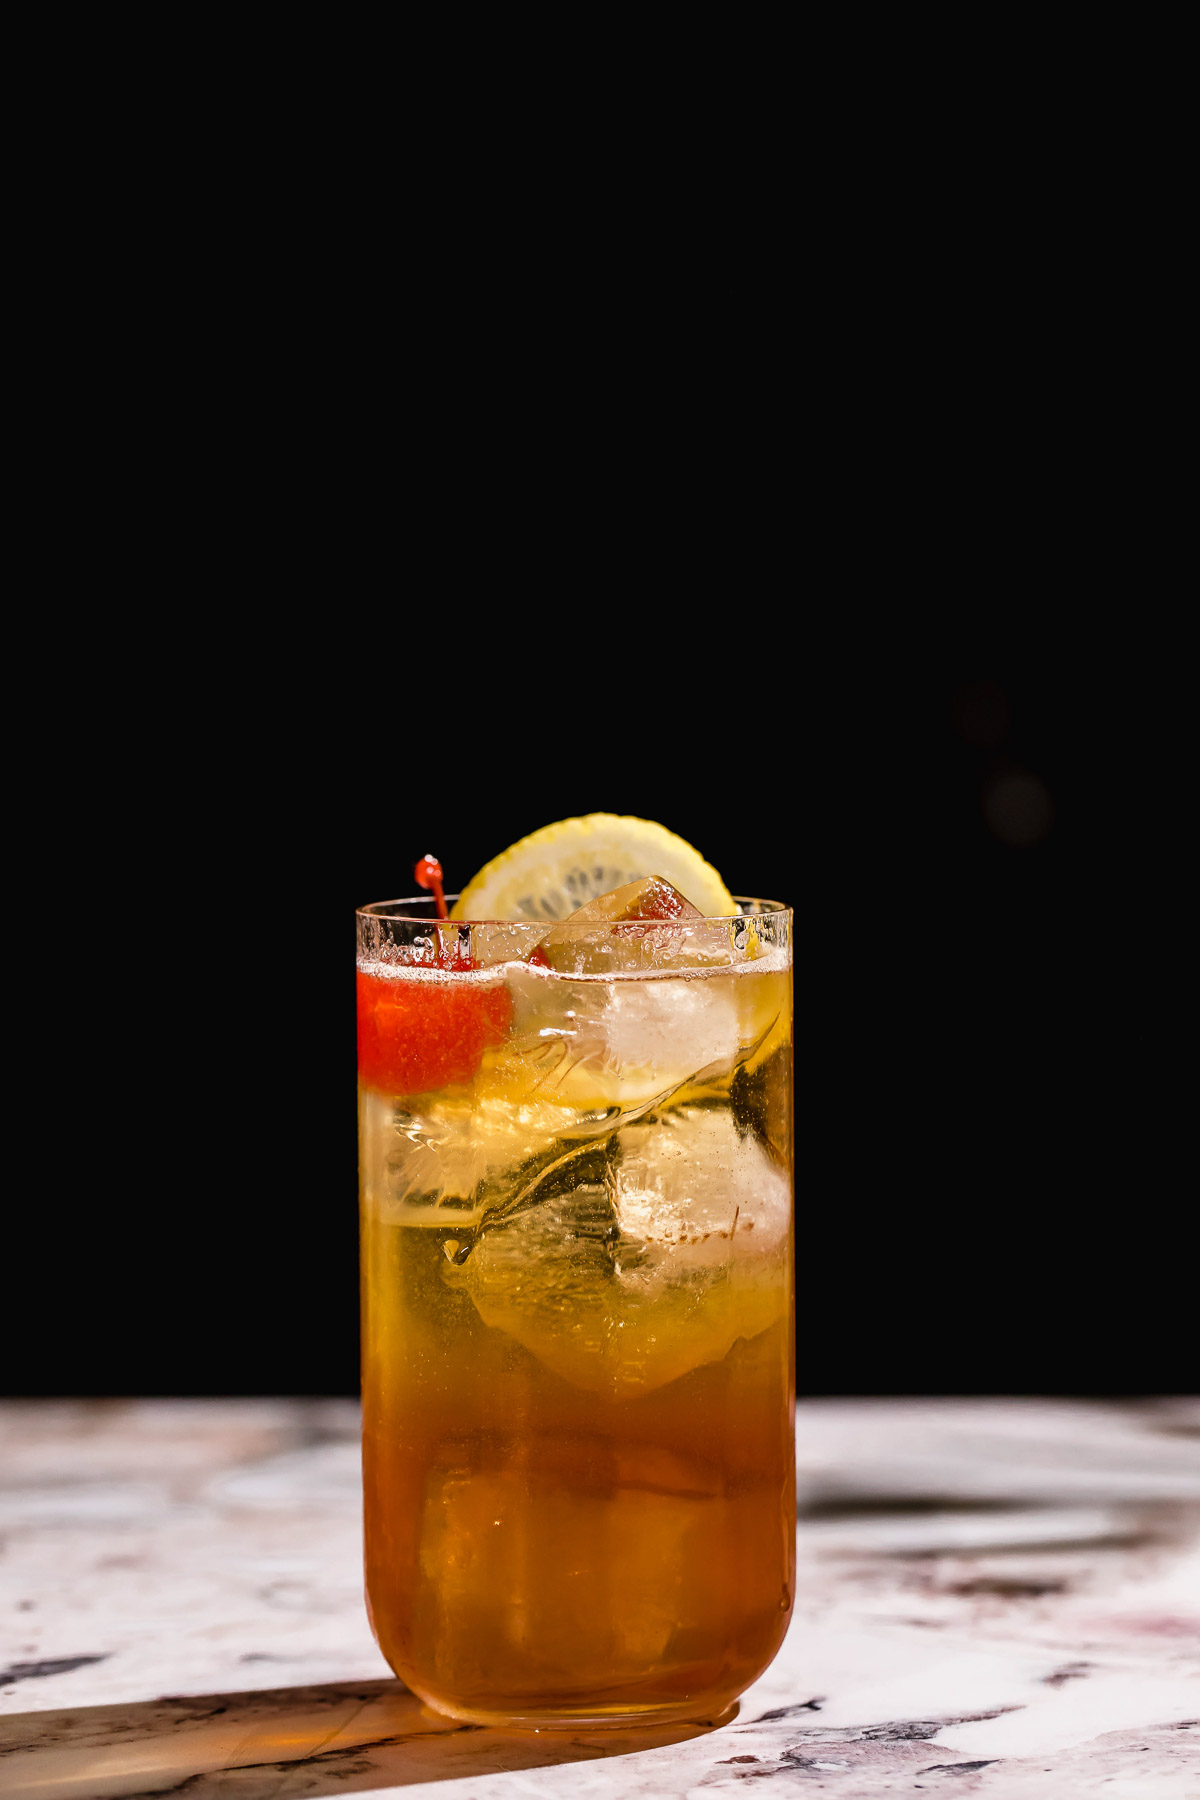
374	909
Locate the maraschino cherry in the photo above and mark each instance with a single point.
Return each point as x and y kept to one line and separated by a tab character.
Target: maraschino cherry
414	1037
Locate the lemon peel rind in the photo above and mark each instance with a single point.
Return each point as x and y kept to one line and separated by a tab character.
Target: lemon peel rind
700	882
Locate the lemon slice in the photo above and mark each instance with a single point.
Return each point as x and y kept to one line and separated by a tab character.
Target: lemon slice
550	873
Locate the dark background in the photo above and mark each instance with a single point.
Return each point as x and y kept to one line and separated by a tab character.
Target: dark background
978	1204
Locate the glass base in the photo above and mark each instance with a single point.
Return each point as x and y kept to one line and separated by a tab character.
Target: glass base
583	1717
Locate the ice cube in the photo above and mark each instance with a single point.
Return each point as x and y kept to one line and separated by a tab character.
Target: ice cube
624	1043
644	1258
690	1182
463	1155
644	925
652	897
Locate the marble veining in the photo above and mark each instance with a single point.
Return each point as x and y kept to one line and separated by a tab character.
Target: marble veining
995	1598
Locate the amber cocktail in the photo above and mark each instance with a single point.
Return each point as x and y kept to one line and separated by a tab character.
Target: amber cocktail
577	1310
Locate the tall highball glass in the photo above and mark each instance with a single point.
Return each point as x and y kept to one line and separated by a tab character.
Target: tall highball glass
576	1190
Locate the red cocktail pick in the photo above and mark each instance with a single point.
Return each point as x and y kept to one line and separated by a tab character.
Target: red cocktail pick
429	875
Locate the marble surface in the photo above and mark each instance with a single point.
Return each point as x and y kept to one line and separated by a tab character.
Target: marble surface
998	1598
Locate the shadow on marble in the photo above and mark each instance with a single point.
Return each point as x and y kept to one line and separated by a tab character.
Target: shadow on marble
282	1744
